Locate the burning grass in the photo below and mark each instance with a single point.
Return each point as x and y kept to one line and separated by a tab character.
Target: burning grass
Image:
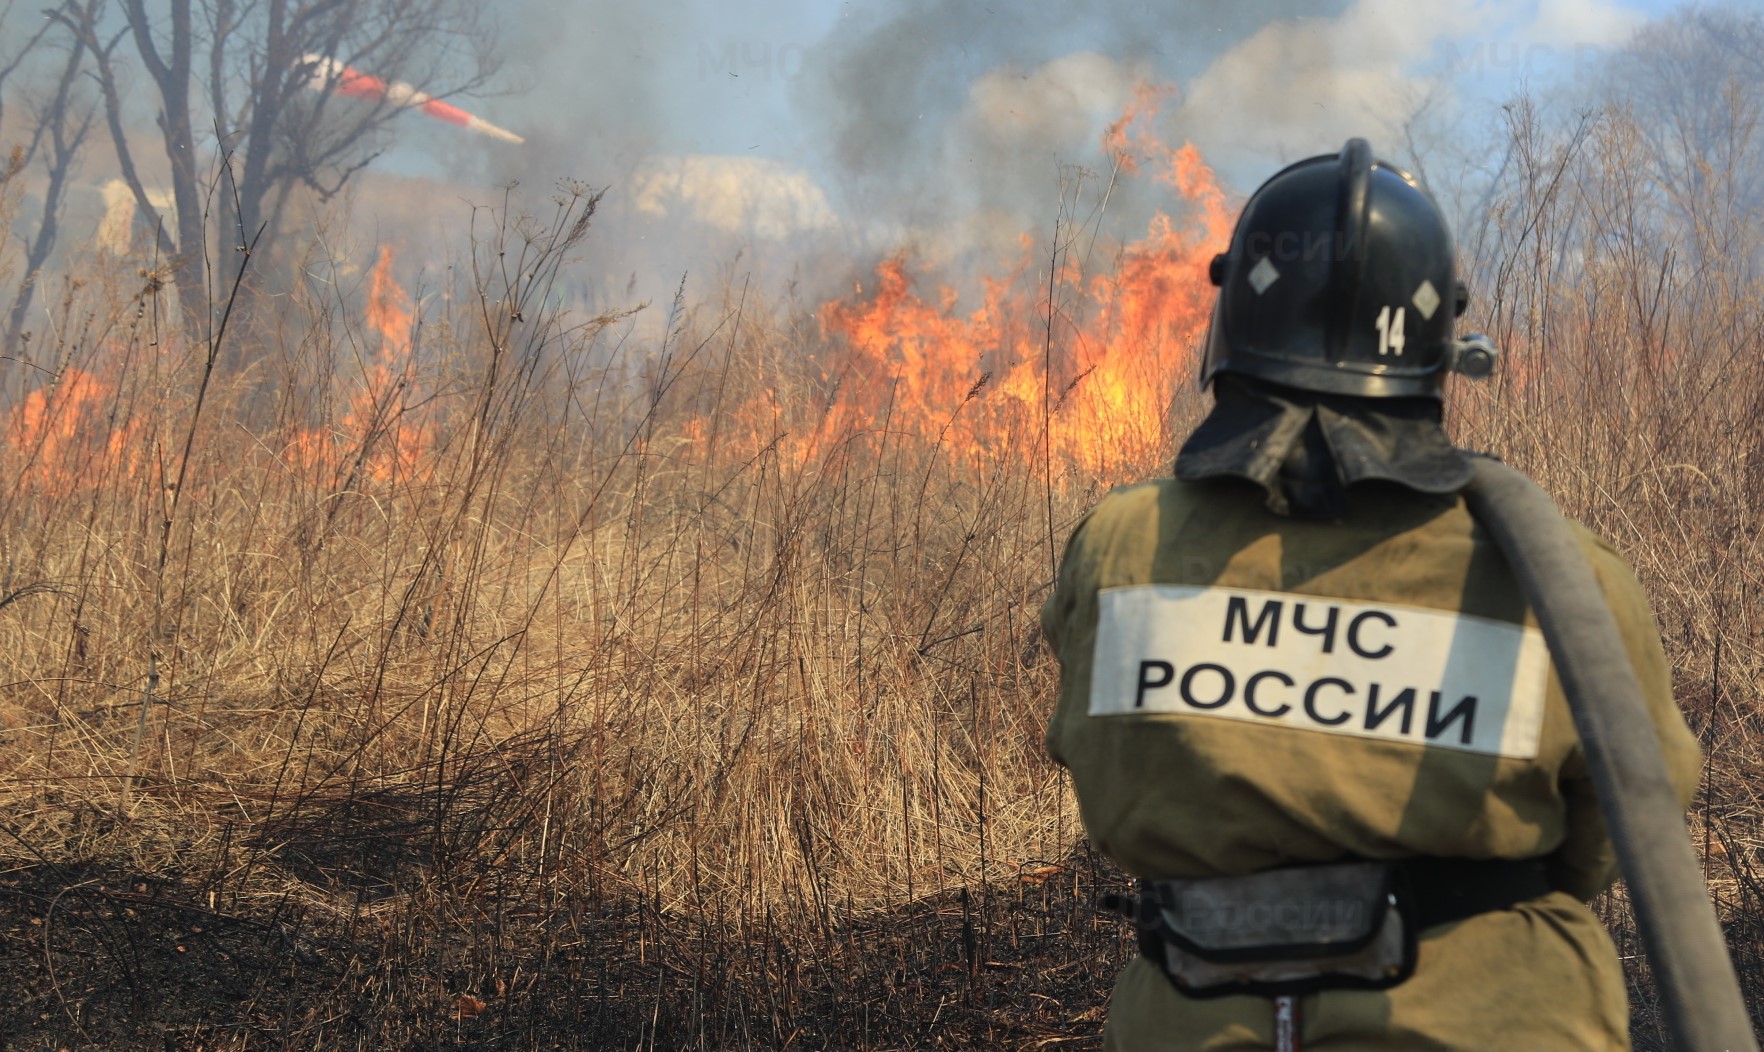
525	684
587	641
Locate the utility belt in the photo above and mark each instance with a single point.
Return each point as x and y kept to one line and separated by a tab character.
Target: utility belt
1303	929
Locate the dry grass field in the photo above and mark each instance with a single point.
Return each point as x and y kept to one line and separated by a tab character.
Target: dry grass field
461	672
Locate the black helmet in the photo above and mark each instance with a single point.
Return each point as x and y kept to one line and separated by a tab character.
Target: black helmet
1341	279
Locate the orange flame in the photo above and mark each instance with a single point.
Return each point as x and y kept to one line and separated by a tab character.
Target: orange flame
87	428
1121	146
389	310
379	411
1093	373
68	436
378	439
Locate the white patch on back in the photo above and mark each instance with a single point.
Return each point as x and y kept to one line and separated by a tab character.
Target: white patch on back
1367	670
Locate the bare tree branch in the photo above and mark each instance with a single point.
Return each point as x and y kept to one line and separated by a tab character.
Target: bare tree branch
11	66
268	53
280	82
220	15
66	133
83	21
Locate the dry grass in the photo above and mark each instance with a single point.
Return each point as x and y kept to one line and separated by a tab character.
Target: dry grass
538	623
1629	309
549	686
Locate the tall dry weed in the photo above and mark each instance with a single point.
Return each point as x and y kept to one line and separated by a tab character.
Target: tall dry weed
529	659
1626	295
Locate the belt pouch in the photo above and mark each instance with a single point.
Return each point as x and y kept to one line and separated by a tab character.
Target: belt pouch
1282	931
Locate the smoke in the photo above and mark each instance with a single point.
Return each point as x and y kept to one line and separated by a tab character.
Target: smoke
1301	87
966	122
883	87
797	141
794	130
740	195
979	102
1590	23
1004	152
115	230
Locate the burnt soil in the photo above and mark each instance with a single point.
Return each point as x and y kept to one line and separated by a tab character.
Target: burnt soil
95	958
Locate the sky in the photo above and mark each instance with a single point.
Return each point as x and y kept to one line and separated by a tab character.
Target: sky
733	79
697	76
790	133
778	127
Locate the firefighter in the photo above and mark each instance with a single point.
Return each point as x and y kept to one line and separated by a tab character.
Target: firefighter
1303	700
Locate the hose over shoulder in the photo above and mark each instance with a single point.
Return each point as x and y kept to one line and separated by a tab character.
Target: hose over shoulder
1704	1009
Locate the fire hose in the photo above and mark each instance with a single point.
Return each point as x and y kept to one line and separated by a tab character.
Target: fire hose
1700	991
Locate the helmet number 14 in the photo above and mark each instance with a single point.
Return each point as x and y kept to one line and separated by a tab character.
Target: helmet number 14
1390	331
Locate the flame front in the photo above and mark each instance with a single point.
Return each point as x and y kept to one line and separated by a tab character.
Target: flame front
1072	371
68	434
93	426
1087	364
378	439
378	411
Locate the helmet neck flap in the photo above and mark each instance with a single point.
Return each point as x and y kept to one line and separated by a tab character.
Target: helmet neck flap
1331	337
1305	448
